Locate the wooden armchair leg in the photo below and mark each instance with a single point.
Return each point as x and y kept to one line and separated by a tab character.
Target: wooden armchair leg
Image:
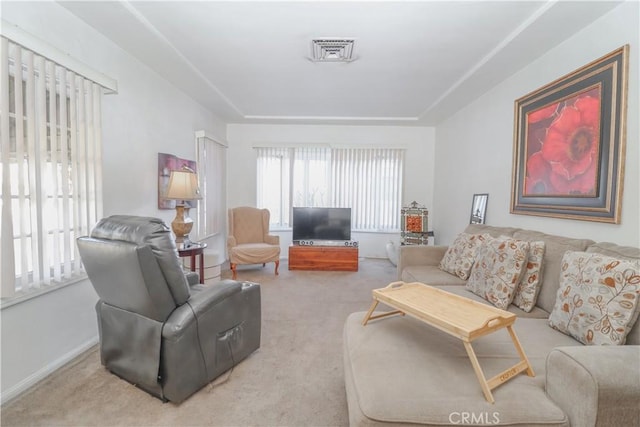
277	265
234	274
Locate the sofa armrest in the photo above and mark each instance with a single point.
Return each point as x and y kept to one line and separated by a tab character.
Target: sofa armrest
419	255
596	385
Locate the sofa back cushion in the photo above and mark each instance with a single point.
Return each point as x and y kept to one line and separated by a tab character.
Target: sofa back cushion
625	253
555	248
491	230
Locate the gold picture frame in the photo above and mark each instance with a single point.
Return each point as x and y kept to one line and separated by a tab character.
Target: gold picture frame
569	144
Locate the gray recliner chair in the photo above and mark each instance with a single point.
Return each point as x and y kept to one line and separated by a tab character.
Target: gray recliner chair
158	329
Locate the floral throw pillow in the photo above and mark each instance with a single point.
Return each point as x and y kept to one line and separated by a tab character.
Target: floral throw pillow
597	302
499	265
448	262
529	286
460	256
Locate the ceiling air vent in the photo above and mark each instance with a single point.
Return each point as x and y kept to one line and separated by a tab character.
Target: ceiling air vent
332	50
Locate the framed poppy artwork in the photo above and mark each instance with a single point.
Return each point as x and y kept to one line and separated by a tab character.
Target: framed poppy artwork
569	144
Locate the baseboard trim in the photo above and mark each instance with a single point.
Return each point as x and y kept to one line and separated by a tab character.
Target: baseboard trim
44	372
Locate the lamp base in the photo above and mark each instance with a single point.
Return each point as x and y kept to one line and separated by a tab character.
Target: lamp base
182	224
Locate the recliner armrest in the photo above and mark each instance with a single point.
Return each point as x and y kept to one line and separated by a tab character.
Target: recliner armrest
202	299
193	278
596	385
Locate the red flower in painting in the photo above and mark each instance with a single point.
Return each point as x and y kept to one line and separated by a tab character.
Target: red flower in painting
537	179
543	113
571	148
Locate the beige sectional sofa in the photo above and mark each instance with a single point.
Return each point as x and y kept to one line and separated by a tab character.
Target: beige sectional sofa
401	371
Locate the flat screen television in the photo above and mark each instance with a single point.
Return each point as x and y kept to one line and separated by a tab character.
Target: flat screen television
321	224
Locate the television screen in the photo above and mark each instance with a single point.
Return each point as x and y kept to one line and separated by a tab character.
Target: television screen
321	224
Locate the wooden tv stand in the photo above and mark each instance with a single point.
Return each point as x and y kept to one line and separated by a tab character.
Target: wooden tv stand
324	258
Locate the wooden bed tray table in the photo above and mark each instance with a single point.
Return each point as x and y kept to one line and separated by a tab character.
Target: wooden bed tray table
456	315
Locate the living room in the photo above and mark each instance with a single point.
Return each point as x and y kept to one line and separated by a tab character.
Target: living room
469	150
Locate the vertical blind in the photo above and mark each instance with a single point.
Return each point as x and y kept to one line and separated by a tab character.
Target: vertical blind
368	180
211	158
50	130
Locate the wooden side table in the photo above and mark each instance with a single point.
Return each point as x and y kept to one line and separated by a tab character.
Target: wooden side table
191	251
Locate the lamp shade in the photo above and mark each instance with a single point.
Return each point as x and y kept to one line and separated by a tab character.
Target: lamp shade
183	185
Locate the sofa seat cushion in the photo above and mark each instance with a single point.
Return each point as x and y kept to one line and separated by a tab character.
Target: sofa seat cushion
400	370
431	275
535	313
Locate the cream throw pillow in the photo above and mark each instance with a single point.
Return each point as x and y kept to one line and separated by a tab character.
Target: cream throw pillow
498	268
529	286
460	256
597	302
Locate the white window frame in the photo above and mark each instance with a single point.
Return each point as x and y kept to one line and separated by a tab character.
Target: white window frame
211	160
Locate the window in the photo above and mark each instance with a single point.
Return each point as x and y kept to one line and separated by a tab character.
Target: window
368	180
211	158
273	187
50	166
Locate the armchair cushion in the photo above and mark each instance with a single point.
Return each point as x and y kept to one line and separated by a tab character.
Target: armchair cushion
254	253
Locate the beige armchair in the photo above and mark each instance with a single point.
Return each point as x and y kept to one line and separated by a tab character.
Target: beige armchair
249	241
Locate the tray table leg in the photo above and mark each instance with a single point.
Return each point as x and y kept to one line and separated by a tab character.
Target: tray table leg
368	315
523	356
476	367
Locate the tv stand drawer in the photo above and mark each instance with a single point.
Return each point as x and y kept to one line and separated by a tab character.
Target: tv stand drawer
328	258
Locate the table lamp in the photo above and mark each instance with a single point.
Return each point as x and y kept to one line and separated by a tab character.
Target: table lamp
183	186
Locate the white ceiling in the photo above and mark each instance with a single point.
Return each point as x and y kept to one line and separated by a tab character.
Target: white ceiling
417	62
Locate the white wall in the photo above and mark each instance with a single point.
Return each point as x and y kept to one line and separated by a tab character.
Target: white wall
147	116
419	164
474	147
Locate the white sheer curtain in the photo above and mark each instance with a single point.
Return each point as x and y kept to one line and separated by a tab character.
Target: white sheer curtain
311	176
50	130
273	169
212	163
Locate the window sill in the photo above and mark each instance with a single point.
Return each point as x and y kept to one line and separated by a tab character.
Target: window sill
24	296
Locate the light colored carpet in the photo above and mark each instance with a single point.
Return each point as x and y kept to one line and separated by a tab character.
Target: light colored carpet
294	379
